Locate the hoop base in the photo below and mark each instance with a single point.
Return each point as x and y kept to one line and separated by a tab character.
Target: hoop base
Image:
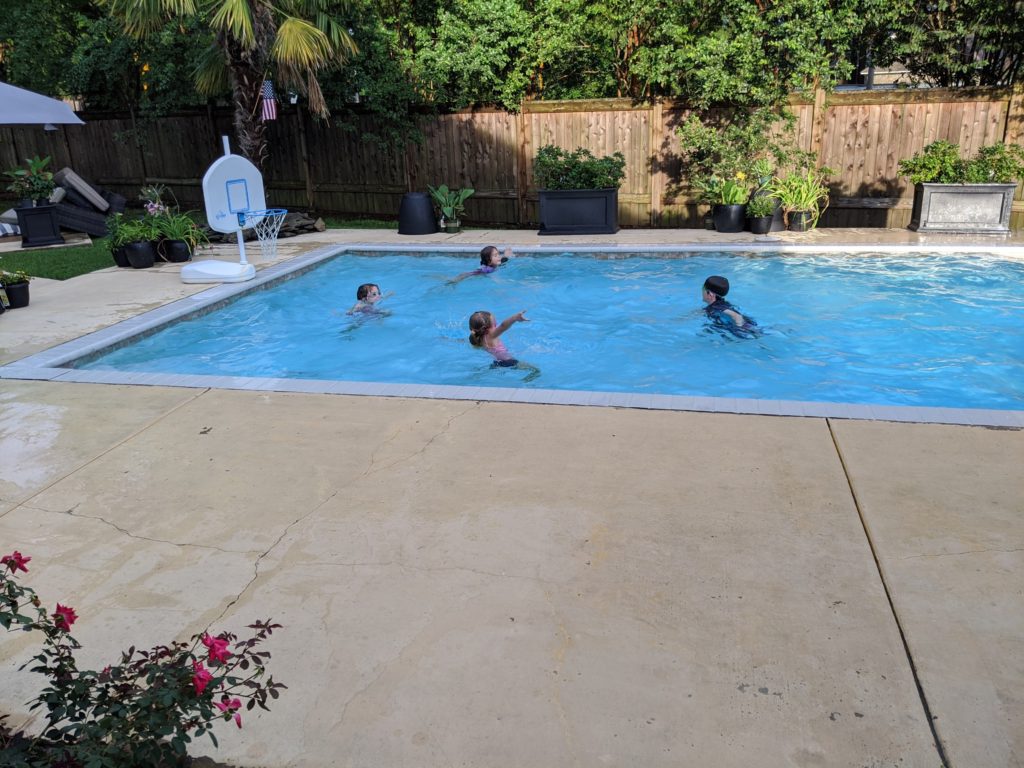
213	271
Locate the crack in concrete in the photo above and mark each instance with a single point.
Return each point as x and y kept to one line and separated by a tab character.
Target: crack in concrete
317	507
965	552
71	513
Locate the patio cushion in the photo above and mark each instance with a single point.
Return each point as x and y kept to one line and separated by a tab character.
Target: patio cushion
9	217
73	197
72	181
9	229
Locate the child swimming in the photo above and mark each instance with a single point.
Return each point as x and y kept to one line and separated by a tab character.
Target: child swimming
722	313
490	260
484	332
367	297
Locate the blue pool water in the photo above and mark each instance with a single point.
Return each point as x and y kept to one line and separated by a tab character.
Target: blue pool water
928	330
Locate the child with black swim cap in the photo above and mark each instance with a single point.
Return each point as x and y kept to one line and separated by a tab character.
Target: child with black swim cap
720	311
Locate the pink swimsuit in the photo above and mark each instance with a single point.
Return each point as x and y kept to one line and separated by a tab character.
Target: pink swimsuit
501	354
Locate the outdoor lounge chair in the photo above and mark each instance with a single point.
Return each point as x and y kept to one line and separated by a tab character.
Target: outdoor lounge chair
85	206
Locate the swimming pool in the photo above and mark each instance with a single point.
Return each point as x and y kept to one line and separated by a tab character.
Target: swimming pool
934	330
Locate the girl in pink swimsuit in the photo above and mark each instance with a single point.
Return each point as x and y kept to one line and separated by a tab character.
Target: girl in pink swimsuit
484	332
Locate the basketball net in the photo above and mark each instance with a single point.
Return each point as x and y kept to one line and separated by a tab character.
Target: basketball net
266	224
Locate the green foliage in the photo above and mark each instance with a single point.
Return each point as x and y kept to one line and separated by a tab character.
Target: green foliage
474	54
803	191
180	226
144	710
14	277
37	40
33	180
760	205
450	201
556	168
957	42
940	163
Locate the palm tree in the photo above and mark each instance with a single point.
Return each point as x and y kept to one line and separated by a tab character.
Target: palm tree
291	41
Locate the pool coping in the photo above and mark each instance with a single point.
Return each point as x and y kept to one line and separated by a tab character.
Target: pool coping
47	365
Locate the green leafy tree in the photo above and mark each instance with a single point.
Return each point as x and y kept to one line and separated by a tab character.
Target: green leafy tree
474	54
960	42
38	38
292	41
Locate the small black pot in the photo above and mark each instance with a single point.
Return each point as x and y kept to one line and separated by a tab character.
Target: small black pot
120	257
800	221
175	251
729	218
17	294
760	225
141	255
26	202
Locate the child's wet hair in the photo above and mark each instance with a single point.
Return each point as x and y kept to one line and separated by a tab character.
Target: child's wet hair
364	290
479	324
486	253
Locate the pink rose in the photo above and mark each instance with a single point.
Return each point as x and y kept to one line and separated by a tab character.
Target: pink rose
64	617
15	561
231	706
218	648
201	676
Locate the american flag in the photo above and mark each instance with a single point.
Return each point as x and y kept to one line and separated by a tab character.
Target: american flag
269	110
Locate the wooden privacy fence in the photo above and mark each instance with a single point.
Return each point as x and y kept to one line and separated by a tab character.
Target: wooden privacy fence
328	168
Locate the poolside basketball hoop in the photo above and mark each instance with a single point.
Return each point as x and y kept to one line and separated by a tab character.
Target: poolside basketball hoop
235	200
267	224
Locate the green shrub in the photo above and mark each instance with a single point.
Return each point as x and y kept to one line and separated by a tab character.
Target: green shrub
940	163
556	168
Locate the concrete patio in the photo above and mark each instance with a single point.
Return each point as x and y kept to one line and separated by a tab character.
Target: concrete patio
489	584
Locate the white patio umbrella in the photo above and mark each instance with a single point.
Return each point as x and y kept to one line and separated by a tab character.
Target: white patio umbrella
21	107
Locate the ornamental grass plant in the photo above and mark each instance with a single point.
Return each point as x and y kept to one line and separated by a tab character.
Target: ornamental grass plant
141	711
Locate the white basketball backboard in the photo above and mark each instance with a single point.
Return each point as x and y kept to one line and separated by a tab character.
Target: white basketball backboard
232	185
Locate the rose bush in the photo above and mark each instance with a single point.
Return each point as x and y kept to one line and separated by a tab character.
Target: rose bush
144	710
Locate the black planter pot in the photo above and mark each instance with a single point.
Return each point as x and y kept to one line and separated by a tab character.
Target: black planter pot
760	225
141	255
17	294
120	257
175	251
578	211
729	218
416	215
800	221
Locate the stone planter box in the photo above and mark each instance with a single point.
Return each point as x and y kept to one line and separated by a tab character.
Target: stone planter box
579	211
967	208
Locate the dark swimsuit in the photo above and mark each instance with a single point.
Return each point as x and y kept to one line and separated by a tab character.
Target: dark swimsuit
716	313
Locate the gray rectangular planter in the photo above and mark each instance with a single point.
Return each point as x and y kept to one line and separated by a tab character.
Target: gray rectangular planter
579	211
971	208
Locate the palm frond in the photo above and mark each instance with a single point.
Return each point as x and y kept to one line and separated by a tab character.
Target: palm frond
235	18
317	103
142	17
301	45
211	72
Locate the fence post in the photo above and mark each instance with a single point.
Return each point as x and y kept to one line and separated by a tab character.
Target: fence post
817	123
522	158
1014	131
304	151
657	175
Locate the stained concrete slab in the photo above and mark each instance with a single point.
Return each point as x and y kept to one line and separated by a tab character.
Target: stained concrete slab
47	433
945	508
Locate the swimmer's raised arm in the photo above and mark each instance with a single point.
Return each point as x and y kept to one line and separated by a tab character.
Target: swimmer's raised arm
508	322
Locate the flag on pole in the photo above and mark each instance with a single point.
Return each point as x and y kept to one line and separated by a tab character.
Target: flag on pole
269	109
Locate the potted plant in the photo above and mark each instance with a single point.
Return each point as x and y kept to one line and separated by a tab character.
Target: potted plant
952	194
33	181
803	196
727	198
180	236
578	192
138	236
15	284
452	204
760	212
116	238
